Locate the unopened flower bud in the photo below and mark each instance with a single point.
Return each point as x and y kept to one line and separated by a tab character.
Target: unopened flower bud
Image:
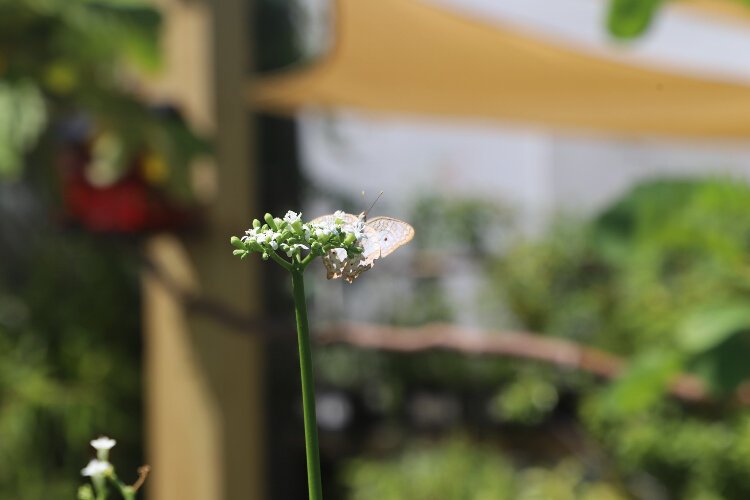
270	221
237	243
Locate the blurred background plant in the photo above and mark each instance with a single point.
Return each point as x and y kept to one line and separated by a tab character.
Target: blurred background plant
79	145
659	278
458	468
61	62
71	362
102	474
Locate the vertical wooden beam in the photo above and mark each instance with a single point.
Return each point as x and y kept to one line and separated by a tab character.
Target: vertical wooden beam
183	421
203	382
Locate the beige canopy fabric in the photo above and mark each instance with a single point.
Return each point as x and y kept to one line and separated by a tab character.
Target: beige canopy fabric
730	10
408	57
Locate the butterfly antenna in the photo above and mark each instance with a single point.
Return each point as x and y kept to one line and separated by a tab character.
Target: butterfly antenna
367	212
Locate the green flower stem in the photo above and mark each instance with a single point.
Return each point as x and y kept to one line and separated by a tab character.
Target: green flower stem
306	261
286	265
100	485
315	487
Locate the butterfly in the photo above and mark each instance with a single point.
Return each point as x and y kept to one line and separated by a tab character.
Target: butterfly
381	236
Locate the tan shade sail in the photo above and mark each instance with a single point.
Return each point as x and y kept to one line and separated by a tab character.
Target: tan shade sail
729	10
407	57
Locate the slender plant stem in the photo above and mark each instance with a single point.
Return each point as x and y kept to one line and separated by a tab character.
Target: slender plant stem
286	265
100	486
306	261
314	483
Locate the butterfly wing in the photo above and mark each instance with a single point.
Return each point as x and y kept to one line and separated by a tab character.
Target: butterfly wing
371	248
391	233
382	235
335	263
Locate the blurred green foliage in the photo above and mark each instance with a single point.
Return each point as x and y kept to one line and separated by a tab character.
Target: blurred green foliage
663	273
631	18
469	229
459	469
660	278
528	398
61	59
69	309
69	345
23	116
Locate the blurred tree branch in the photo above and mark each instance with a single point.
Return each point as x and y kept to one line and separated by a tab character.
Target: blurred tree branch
521	345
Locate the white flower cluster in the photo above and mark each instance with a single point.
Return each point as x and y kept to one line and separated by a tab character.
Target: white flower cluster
100	465
96	468
103	476
294	238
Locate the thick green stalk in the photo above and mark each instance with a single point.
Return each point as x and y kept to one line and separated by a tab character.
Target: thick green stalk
314	483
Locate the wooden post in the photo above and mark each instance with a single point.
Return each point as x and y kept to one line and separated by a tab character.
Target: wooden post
203	382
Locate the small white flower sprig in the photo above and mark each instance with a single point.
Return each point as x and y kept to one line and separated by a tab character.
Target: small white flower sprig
348	246
301	241
340	239
100	470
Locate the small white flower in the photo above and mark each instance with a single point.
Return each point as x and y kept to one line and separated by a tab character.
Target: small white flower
271	237
357	228
292	217
96	468
250	235
324	229
339	214
300	245
103	443
268	236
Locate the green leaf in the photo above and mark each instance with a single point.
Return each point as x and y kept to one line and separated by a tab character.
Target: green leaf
23	116
725	366
710	326
629	19
643	383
